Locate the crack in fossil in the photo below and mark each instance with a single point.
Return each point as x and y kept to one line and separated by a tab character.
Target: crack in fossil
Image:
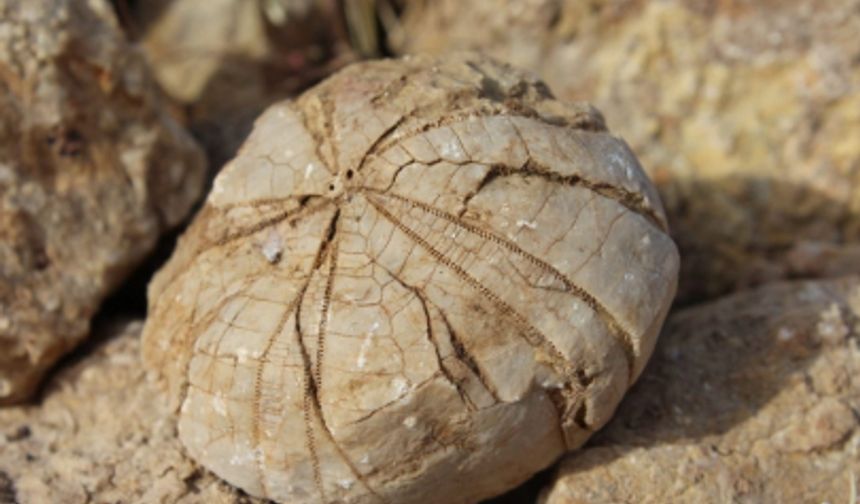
257	203
296	214
633	201
492	174
616	328
579	418
210	317
464	396
456	342
466	358
431	337
316	135
379	409
376	143
531	334
392	90
395	136
186	381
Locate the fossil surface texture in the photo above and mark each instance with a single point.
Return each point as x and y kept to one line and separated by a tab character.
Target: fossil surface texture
745	114
422	281
93	169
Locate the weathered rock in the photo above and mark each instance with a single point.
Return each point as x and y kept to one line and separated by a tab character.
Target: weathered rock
92	170
746	114
753	398
101	434
227	60
420	271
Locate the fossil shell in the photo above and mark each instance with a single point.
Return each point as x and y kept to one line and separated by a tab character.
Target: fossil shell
422	281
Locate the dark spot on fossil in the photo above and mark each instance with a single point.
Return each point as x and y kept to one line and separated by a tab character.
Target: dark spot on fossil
21	433
491	90
583	377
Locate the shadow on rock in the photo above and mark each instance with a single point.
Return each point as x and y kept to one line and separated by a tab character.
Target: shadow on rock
238	91
750	397
241	57
718	365
740	232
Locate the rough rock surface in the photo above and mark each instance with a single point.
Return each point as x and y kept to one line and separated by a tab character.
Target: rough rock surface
420	271
745	110
100	434
239	57
753	398
92	170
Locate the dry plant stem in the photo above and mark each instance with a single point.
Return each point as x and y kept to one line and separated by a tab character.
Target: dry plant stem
420	271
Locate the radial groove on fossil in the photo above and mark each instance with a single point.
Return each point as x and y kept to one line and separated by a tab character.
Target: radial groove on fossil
422	281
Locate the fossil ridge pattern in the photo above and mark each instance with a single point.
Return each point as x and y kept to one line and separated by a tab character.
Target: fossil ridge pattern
422	281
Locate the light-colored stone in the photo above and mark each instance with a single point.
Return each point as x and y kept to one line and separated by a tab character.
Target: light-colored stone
101	433
420	282
746	114
225	61
187	41
92	170
752	398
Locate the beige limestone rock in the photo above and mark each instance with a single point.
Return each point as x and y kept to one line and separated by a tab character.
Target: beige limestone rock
101	434
92	170
225	61
746	114
752	398
422	281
